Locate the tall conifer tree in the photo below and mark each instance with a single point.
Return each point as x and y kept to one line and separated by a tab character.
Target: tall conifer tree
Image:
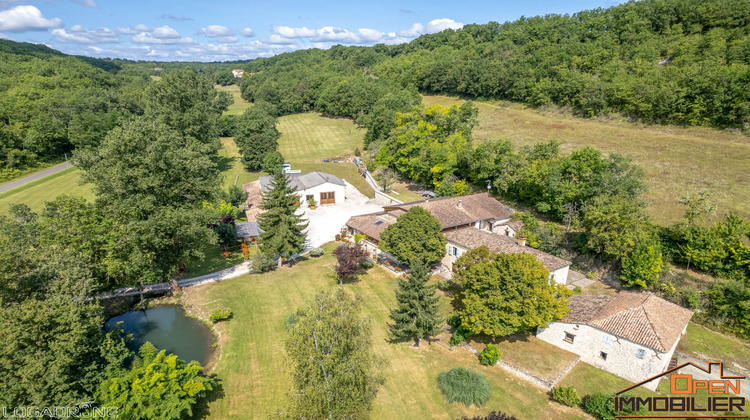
282	228
417	313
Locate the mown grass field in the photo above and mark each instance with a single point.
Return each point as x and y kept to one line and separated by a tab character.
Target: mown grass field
310	137
240	105
36	193
706	344
675	159
307	139
255	379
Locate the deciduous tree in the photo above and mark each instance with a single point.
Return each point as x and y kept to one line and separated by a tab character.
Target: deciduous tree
506	293
415	237
335	373
350	262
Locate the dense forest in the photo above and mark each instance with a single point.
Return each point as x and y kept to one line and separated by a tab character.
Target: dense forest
658	61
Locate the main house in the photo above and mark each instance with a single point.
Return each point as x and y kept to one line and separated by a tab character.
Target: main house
319	186
468	222
632	335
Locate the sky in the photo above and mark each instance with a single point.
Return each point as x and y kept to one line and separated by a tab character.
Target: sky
190	30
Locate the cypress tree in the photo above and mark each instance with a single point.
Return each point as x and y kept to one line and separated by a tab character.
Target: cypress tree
417	313
282	228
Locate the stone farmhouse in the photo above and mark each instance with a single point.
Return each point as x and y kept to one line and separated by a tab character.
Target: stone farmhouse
322	187
462	240
468	222
238	72
632	335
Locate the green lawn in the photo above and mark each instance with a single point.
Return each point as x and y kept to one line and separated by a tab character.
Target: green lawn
240	105
530	354
35	194
706	344
255	378
230	165
674	158
587	380
213	261
310	137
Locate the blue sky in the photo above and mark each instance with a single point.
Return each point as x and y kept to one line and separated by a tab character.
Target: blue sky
166	30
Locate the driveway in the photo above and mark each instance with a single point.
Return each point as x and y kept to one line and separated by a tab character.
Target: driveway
327	220
33	177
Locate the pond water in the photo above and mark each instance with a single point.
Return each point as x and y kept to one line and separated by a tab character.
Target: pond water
167	328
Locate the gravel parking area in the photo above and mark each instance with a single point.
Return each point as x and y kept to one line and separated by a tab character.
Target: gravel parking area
327	220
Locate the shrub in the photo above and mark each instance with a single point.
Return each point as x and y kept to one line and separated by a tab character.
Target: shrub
601	406
444	285
316	252
367	264
693	299
566	395
490	355
577	290
495	415
290	320
464	386
454	321
261	263
459	336
220	315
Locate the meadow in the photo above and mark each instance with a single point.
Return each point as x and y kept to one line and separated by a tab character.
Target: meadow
36	193
675	159
239	105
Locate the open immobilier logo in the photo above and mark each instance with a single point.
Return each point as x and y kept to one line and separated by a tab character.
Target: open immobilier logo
690	397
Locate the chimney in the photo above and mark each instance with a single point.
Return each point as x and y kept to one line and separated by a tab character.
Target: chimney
522	240
460	204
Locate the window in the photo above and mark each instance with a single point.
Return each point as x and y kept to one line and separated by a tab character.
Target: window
607	340
640	353
452	250
569	338
603	355
309	197
378	223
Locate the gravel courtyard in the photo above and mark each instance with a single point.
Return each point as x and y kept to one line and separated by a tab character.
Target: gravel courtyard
327	220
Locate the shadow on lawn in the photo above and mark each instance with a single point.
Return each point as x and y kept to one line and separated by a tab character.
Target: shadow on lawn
202	408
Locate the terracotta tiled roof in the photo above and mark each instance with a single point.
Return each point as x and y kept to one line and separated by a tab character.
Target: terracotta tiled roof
473	238
373	224
642	318
456	211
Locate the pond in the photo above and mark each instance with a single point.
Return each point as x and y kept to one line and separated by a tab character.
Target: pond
167	328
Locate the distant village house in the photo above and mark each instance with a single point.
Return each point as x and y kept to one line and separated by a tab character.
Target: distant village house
238	72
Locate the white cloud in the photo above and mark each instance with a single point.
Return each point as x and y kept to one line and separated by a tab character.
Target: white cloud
87	3
247	32
132	30
278	39
432	27
81	35
26	18
165	32
287	32
146	38
228	39
215	31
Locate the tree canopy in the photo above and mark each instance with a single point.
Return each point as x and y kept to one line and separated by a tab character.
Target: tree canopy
506	293
335	372
415	237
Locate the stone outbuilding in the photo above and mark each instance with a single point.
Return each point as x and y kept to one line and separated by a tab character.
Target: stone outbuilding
632	335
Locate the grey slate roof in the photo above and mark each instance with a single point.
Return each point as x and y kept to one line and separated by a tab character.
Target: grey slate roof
247	229
303	181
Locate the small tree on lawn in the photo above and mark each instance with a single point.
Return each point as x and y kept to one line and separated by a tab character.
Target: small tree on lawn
417	313
335	372
385	178
282	228
350	262
506	293
415	237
